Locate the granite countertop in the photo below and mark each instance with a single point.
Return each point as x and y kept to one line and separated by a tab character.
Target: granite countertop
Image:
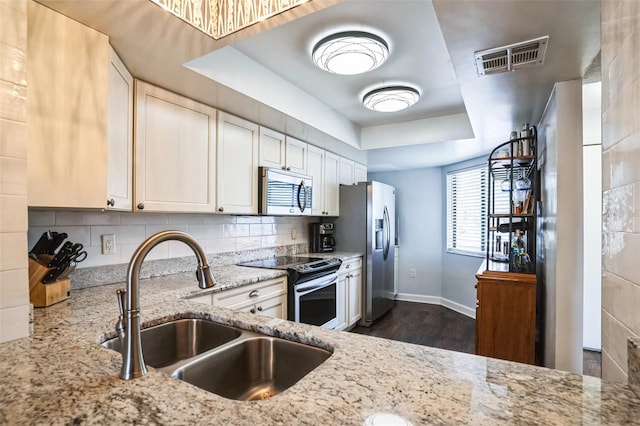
61	375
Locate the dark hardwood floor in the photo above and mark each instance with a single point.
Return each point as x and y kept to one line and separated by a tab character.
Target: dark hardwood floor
440	327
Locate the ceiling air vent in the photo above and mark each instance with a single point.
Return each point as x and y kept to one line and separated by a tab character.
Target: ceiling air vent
513	57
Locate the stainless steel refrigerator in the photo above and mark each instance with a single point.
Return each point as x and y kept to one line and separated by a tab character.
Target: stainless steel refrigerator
367	225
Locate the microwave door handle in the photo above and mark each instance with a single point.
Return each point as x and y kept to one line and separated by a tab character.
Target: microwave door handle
300	189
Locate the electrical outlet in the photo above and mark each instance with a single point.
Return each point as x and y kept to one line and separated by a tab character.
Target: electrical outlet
412	272
294	233
108	243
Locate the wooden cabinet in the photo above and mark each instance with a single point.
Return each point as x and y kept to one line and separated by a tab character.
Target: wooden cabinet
359	173
79	109
175	142
506	315
237	165
283	152
263	298
349	292
347	168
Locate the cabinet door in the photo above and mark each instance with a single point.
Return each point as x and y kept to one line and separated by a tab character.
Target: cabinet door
272	148
359	173
274	307
119	136
67	110
342	297
505	320
331	184
174	152
354	284
315	169
346	171
237	167
296	155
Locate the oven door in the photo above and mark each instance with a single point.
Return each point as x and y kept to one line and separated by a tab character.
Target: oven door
315	301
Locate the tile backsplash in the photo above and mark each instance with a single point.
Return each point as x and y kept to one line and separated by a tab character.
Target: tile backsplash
215	233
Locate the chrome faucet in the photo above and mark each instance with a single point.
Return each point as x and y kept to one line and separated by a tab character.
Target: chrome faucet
133	365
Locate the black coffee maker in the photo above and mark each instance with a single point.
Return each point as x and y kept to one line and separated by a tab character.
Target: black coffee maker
321	237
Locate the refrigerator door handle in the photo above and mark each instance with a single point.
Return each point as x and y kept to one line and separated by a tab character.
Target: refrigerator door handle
387	230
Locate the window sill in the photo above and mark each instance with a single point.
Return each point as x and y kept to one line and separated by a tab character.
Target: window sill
466	253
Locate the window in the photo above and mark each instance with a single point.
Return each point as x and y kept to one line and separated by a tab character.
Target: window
467	200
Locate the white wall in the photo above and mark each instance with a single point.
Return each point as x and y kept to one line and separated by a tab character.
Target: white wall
14	285
560	226
620	184
419	204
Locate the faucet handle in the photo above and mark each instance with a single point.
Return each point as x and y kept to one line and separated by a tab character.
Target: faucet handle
121	293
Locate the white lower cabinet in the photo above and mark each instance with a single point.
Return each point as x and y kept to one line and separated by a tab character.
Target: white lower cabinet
349	309
267	298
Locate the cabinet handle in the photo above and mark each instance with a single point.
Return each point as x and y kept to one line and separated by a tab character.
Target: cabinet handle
220	209
111	202
288	169
253	310
254	293
260	308
141	206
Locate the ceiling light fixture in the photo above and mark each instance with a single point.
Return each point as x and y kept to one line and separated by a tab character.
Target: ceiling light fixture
350	52
391	99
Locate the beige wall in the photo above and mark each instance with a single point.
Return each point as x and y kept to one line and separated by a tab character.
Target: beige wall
620	183
14	288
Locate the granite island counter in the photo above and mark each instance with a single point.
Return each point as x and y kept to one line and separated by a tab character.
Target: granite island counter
61	375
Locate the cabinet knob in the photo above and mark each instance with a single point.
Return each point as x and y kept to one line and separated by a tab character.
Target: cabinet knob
284	167
288	168
141	206
220	209
111	202
253	310
260	308
254	293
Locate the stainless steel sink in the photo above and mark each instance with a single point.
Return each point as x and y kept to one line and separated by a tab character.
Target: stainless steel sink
231	362
254	368
171	342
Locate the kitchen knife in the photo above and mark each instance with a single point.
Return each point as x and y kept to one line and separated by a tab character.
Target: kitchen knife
60	257
54	274
43	243
55	243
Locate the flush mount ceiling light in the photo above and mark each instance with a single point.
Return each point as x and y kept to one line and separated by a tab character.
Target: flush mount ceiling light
350	52
391	99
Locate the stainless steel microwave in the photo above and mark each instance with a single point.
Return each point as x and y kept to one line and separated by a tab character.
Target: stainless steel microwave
284	193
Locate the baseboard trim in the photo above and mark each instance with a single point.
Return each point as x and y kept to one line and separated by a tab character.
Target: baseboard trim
435	300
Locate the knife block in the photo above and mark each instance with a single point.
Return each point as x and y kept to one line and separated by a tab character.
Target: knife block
43	295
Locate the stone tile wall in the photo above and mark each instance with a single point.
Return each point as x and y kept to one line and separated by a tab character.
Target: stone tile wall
620	184
14	287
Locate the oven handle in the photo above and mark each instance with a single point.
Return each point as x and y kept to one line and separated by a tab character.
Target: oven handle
309	287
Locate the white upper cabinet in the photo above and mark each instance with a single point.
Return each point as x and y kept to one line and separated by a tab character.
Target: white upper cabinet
315	169
119	136
272	148
174	152
237	168
359	173
79	109
346	171
296	155
331	184
282	152
323	167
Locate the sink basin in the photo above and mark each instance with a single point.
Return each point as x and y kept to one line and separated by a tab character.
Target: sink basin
254	368
174	341
231	362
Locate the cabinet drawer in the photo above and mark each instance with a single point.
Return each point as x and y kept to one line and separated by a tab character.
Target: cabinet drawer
350	265
250	293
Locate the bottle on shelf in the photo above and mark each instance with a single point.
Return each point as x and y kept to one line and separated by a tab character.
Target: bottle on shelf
525	143
520	261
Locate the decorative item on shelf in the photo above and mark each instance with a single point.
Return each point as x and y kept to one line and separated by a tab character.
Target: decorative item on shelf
520	261
525	143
